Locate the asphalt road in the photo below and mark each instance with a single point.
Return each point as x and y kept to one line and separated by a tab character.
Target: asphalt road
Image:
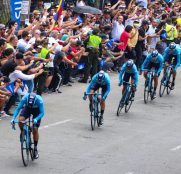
147	140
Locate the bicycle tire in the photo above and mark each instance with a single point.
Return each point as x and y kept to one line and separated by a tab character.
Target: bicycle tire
120	107
128	105
24	149
92	121
151	89
31	149
169	84
98	116
146	92
162	87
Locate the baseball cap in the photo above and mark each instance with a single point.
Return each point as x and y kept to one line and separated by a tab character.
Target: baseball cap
2	26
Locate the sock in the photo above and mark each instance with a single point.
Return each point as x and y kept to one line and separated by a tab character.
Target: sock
35	144
173	79
154	88
102	112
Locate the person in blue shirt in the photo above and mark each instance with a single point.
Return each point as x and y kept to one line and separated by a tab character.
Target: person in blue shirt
154	61
129	70
99	80
172	57
31	104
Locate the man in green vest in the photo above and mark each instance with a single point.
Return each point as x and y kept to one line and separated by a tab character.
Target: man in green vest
94	48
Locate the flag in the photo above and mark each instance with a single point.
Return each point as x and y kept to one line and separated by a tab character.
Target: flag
59	10
15	12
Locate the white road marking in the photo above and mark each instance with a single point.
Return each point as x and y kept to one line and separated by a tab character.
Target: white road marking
176	148
55	124
139	100
129	173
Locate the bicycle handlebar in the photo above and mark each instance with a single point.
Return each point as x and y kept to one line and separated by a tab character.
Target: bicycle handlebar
149	70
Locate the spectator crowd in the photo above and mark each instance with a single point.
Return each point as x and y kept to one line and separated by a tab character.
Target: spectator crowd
44	54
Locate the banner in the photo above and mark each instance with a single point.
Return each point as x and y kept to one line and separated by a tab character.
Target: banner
15	12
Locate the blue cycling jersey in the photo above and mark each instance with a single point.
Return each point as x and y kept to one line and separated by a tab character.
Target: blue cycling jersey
176	53
132	71
38	104
105	82
149	59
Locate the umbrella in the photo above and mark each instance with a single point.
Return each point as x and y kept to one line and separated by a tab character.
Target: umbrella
87	9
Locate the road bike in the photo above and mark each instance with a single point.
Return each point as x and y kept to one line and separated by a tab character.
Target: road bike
27	149
126	99
166	81
95	109
148	87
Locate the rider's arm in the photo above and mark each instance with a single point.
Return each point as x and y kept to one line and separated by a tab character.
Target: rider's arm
41	108
145	62
178	59
160	58
108	87
93	81
122	72
136	75
165	56
20	106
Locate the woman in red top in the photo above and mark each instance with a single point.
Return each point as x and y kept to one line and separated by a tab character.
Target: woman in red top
123	42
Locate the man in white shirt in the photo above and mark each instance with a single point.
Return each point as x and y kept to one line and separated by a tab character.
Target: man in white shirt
152	36
118	28
24	41
36	37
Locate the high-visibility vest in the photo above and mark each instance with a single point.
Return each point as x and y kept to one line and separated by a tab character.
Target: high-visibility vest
94	41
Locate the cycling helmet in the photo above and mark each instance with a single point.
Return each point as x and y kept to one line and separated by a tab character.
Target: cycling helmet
130	63
31	100
172	45
100	76
154	53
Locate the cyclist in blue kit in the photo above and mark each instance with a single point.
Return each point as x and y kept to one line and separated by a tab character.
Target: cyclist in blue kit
129	70
153	60
172	57
99	80
31	104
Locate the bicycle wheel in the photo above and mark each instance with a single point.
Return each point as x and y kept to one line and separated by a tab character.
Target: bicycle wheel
162	87
151	89
129	103
146	92
98	115
120	107
169	84
25	148
94	117
31	149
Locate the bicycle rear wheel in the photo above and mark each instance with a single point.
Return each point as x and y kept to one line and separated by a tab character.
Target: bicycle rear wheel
162	87
25	148
169	84
146	92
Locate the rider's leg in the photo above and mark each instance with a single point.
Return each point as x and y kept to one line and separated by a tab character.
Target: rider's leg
21	119
35	136
155	83
90	99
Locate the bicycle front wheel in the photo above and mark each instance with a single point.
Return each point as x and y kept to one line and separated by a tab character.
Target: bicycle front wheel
128	104
169	85
25	148
162	87
120	107
146	92
31	149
